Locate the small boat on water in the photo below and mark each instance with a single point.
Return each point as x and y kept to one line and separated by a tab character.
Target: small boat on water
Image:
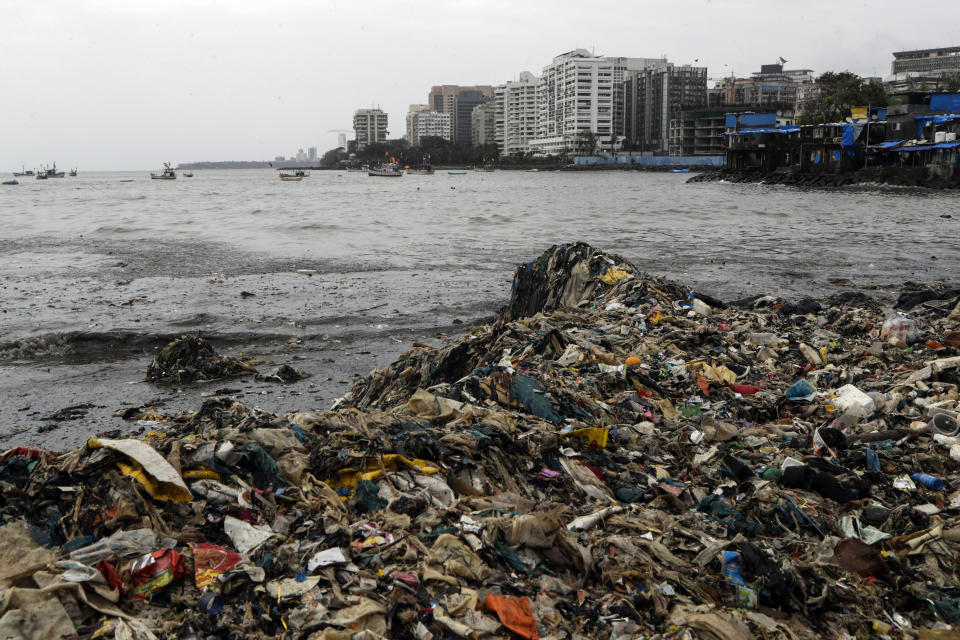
421	171
486	167
187	174
11	182
296	176
389	170
23	172
168	173
50	172
687	170
456	173
73	172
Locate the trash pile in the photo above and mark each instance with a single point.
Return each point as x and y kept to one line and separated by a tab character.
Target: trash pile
615	457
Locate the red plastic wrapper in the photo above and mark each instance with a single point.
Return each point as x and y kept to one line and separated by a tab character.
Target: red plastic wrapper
111	576
746	389
211	561
155	571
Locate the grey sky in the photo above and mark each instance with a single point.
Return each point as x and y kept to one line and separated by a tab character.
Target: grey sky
127	84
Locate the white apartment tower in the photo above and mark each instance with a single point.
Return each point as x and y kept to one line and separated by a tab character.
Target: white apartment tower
426	123
517	114
411	112
370	125
578	95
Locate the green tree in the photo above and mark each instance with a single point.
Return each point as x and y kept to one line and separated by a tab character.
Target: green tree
838	92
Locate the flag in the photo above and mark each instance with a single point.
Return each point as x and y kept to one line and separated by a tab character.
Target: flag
783	61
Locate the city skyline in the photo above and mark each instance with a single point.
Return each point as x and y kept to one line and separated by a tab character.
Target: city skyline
110	85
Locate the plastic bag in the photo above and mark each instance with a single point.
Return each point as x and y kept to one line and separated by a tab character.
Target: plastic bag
899	329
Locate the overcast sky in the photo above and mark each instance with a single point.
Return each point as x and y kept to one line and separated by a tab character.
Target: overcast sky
127	84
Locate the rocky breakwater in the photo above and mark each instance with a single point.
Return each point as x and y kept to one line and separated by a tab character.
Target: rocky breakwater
614	457
894	176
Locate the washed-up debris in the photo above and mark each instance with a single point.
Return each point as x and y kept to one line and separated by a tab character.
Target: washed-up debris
190	358
614	457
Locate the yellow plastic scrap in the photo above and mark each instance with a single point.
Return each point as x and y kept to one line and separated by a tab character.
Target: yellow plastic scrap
593	436
614	275
719	374
147	467
201	473
349	476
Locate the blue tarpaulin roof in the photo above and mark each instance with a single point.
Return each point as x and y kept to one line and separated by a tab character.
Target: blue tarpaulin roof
922	147
887	145
946	145
766	130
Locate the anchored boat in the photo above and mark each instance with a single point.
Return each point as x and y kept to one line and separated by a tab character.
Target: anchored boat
168	173
390	170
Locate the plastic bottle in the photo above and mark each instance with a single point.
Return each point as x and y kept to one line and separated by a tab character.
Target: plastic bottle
930	482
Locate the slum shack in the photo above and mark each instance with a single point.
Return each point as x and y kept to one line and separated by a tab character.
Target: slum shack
614	456
756	143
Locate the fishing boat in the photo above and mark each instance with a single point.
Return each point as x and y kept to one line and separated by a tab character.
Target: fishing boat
425	168
50	172
187	174
73	172
390	170
22	172
486	167
289	177
11	182
168	173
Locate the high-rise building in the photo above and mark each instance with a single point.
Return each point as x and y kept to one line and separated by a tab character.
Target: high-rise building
459	101
370	126
312	154
578	101
342	141
301	156
655	95
517	114
427	123
575	101
483	124
411	112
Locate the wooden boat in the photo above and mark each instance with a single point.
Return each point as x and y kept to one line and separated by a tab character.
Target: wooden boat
187	174
296	176
168	173
73	172
456	173
11	182
23	172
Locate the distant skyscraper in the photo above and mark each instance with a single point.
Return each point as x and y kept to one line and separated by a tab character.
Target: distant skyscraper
411	113
342	141
312	154
459	102
429	124
370	126
517	114
483	124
